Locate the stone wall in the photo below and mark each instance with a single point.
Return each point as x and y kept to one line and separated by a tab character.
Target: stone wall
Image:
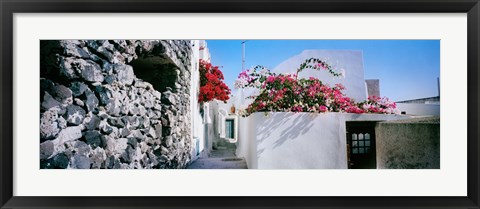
408	144
96	112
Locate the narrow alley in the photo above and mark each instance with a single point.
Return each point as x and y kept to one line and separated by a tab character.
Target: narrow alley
221	158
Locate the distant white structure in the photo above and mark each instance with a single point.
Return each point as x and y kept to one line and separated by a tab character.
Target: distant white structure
421	106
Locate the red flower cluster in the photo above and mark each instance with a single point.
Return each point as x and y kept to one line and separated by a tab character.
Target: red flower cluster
211	83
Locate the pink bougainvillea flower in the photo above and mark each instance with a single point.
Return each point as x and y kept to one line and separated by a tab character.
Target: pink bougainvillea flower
323	108
287	92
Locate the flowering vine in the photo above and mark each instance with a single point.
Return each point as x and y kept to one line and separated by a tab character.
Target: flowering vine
317	64
287	93
211	83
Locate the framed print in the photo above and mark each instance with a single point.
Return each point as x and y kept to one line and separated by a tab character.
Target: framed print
264	104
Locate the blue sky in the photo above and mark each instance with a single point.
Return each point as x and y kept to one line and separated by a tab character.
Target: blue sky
407	69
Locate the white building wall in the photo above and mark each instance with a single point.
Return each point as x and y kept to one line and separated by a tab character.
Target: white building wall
349	61
198	123
298	140
247	140
204	51
193	95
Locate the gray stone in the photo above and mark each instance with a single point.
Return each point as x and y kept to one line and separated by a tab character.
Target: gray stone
75	114
152	141
110	161
168	98
124	132
74	51
133	122
92	101
146	163
48	125
67	67
102	114
125	74
106	54
116	146
106	44
63	94
98	158
140	84
49	102
113	107
156	94
151	132
105	128
178	131
93	123
46	150
117	122
145	122
92	72
162	159
117	164
78	88
110	79
80	162
137	134
169	141
132	141
142	111
79	102
93	138
164	150
127	156
104	94
153	159
92	44
81	148
61	161
68	134
62	123
134	110
118	58
157	107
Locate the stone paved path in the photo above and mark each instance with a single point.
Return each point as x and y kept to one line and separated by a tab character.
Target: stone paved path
221	158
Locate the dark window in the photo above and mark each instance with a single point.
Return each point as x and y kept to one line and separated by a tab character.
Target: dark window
361	145
229	128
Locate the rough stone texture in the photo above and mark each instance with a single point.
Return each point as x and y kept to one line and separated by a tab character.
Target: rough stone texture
75	114
49	126
98	109
46	150
408	144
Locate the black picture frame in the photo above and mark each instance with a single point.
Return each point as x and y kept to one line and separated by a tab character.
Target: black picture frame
9	7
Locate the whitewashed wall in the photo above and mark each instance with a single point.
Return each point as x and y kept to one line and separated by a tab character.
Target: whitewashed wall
348	60
298	140
247	140
198	126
